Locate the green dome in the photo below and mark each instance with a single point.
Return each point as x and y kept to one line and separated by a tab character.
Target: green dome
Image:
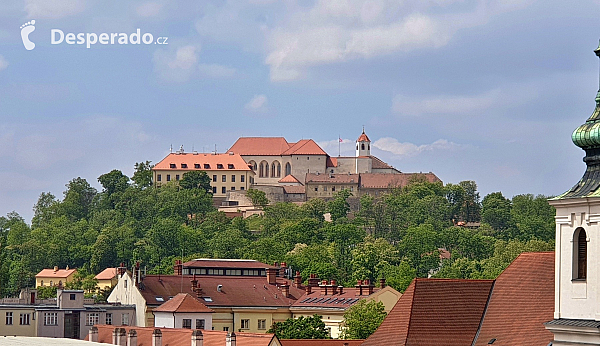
587	136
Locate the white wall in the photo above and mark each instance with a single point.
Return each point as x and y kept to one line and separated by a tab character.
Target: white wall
166	319
130	295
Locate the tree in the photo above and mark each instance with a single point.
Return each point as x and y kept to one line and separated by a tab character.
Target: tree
258	198
301	328
142	177
370	257
496	211
362	319
114	181
78	199
196	180
339	207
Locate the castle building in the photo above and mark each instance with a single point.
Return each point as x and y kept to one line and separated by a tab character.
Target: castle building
577	279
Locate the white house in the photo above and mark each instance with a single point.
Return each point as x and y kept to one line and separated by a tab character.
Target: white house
183	311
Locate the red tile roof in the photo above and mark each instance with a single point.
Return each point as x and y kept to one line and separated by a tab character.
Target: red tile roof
274	146
377	163
294	189
320	342
363	138
213	160
331	162
289	179
50	273
172	336
435	312
332	178
226	263
235	290
106	274
522	300
383	180
183	302
316	299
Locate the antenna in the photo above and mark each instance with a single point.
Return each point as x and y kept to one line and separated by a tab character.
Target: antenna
171	149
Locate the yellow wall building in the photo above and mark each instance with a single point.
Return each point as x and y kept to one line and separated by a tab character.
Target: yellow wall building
54	277
107	278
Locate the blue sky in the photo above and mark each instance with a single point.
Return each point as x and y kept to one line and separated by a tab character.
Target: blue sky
484	90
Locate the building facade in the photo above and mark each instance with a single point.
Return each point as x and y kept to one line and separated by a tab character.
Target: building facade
54	277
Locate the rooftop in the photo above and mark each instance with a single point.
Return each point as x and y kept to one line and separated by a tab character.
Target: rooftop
320	342
289	179
107	274
225	263
50	273
274	146
204	162
316	299
183	302
332	178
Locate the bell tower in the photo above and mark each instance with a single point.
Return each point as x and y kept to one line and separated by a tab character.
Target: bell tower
363	145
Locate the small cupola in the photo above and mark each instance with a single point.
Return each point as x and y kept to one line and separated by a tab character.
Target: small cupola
363	145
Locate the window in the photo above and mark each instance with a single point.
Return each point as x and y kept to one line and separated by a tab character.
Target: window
225	329
168	177
184	165
223	189
580	252
230	166
333	189
50	318
159	177
351	188
51	284
177	177
214	177
362	146
263	171
125	319
324	188
262	324
214	189
196	165
200	323
242	188
172	165
219	166
187	323
224	178
233	188
317	188
109	318
233	178
42	283
288	169
72	296
24	319
92	318
125	283
245	324
206	166
242	178
9	318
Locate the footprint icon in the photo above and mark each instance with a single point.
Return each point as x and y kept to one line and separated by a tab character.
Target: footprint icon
27	29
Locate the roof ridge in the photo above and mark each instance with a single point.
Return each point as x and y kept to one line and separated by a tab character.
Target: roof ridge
487	304
412	302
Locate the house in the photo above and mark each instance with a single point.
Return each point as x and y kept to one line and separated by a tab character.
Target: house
510	310
150	336
54	277
331	301
228	172
107	279
246	295
577	283
68	315
181	311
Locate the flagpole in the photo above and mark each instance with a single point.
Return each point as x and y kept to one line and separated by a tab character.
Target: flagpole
339	145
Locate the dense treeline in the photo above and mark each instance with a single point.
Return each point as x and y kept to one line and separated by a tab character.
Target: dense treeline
396	236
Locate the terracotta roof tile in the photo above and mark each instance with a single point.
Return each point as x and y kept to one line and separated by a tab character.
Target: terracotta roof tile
270	146
363	138
320	342
332	178
289	179
213	161
305	147
377	163
172	336
183	302
522	300
49	273
316	299
331	162
225	263
106	274
435	312
294	189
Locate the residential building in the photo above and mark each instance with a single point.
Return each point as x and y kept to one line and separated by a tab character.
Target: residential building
331	301
169	336
54	277
227	172
183	311
577	282
107	278
507	311
69	315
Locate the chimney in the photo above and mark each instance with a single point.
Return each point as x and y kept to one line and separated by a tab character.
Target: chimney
308	289
382	283
297	279
359	286
323	286
93	334
272	276
178	267
156	337
341	289
285	290
197	338
55	269
369	286
333	287
122	269
230	339
119	337
194	283
313	280
282	269
132	338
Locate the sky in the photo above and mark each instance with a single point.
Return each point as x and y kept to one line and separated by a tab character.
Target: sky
483	90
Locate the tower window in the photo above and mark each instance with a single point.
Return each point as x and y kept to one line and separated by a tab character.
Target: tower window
580	254
362	146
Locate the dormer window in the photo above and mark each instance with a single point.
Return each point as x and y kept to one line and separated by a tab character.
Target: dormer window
206	166
184	165
196	165
219	166
172	165
230	166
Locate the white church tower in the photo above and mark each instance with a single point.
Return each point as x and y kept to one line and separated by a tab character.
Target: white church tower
363	145
577	264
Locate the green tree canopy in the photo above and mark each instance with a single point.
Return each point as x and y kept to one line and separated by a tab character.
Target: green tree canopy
196	180
301	328
362	319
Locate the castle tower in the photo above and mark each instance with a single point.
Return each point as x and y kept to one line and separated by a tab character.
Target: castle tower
577	263
363	145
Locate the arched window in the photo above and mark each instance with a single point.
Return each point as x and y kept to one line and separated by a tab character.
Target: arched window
264	169
275	169
362	146
253	165
580	254
288	169
278	170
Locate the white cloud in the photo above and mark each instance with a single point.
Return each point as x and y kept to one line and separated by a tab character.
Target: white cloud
215	71
333	147
177	65
53	8
149	9
406	149
3	63
258	104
